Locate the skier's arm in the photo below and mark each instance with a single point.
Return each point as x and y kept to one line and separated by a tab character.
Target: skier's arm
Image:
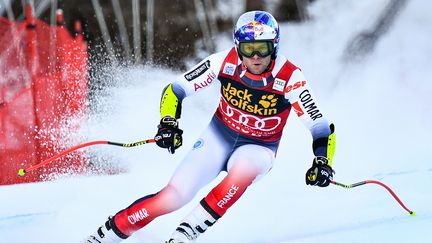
190	82
301	97
169	135
171	100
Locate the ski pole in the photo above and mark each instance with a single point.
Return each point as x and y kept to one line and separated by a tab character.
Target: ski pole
22	172
412	213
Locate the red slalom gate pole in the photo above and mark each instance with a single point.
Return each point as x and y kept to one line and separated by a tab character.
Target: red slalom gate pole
22	172
412	213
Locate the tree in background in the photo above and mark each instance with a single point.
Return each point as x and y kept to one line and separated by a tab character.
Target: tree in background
180	27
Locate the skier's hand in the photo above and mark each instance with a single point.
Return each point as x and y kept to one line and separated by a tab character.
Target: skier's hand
169	135
320	174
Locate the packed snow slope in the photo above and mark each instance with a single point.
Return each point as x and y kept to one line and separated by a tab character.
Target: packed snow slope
380	106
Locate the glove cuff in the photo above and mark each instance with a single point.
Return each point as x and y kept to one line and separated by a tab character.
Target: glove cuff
321	160
168	121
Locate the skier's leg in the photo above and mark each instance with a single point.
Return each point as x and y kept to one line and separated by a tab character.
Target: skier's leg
201	165
246	164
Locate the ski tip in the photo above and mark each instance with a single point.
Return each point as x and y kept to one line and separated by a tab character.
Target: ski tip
412	213
21	172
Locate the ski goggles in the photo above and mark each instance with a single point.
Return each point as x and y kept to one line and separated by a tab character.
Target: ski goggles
261	48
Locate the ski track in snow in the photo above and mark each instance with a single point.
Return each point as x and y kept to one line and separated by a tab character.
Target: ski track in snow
24	219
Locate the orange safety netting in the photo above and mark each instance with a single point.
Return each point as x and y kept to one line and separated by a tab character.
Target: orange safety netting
43	84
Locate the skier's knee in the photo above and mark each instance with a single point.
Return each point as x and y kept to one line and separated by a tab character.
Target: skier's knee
176	196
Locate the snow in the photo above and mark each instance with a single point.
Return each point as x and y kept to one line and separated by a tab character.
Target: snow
381	109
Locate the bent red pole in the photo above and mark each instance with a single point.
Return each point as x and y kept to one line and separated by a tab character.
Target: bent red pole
22	172
412	213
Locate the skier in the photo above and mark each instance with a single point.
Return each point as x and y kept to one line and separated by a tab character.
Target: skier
259	87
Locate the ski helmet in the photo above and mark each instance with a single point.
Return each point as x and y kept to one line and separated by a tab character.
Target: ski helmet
257	25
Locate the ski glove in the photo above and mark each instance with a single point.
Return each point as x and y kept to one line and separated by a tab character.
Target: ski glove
320	174
169	135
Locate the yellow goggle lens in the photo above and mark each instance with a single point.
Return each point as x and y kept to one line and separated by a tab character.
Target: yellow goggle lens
261	48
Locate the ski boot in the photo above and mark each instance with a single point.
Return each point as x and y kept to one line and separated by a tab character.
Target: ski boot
105	234
192	226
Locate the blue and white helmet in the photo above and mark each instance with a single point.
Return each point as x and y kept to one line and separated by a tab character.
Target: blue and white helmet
257	25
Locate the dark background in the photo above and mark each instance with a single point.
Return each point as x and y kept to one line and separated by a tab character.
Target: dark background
177	32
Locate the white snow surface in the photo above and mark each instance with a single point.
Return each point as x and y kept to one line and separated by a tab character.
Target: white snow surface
381	107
